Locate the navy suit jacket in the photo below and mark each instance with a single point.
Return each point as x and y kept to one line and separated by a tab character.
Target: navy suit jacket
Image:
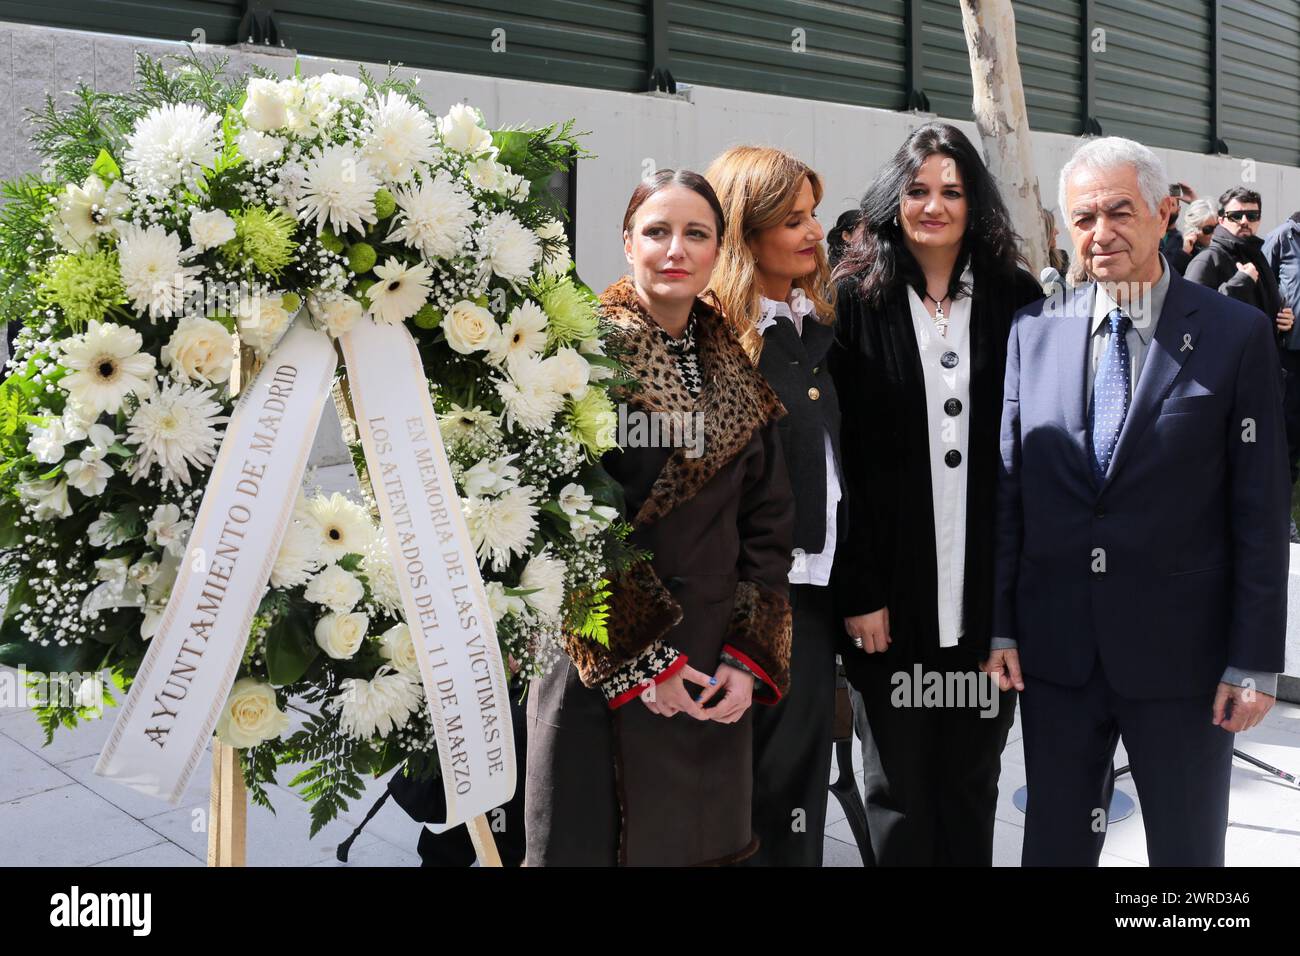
1175	566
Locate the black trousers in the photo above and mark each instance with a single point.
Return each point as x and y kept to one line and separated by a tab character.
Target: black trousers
1291	409
792	741
1181	766
931	771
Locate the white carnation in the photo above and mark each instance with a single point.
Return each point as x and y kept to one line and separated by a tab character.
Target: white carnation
336	589
211	228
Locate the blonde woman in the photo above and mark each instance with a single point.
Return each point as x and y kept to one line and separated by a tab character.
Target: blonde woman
773	280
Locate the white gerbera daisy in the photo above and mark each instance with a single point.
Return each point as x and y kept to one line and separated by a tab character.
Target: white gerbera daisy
343	527
529	394
544	577
153	267
510	247
501	528
106	366
298	558
400	292
468	424
376	707
338	191
82	214
400	137
176	429
434	217
170	146
523	334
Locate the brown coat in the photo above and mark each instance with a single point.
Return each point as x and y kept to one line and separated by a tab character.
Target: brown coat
621	784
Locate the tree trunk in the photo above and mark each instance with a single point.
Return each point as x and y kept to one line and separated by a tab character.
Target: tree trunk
1000	115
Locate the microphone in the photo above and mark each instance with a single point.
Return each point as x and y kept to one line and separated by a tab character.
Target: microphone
1051	281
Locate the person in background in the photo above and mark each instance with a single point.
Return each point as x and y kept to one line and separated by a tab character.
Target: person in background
1173	245
1234	262
1199	223
773	283
845	232
628	764
923	309
1282	253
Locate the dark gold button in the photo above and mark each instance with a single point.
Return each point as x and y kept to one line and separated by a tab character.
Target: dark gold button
952	406
814	393
952	459
816	369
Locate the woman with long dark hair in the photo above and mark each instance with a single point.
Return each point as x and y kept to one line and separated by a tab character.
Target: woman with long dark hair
639	751
924	306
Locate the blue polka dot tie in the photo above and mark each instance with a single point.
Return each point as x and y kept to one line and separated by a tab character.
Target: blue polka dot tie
1110	393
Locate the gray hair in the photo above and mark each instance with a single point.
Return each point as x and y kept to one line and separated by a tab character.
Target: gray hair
1111	152
1198	213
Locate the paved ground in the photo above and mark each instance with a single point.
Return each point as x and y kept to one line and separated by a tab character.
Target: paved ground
55	812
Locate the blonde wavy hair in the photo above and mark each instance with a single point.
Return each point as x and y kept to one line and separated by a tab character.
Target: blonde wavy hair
758	187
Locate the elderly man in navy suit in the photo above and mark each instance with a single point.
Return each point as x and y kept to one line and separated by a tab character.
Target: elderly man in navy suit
1142	547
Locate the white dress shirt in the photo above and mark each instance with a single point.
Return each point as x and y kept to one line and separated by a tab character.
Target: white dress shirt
948	433
807	568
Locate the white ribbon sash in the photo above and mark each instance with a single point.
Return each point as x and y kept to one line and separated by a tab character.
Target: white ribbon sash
192	661
442	591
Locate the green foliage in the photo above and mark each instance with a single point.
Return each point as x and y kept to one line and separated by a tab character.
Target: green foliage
333	777
290	647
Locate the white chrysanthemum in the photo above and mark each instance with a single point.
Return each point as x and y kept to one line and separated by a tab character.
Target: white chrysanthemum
336	589
376	707
462	130
400	137
298	558
170	146
377	567
544	577
558	260
501	603
210	228
523	334
167	530
468	424
259	148
434	217
106	366
81	215
501	528
490	476
176	429
510	247
529	394
337	313
338	191
342	526
400	292
153	267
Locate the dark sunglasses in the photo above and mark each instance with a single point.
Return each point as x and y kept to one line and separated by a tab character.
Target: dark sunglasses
1207	230
1251	215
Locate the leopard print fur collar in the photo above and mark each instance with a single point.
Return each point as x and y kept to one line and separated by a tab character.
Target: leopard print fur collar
735	399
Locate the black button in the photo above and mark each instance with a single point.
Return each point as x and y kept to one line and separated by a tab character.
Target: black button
1100	512
952	459
948	360
952	406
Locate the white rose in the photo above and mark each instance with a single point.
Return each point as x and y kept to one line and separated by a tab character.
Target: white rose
259	148
397	645
200	350
336	589
338	314
251	715
340	635
568	372
461	130
340	87
265	108
262	318
469	327
211	228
